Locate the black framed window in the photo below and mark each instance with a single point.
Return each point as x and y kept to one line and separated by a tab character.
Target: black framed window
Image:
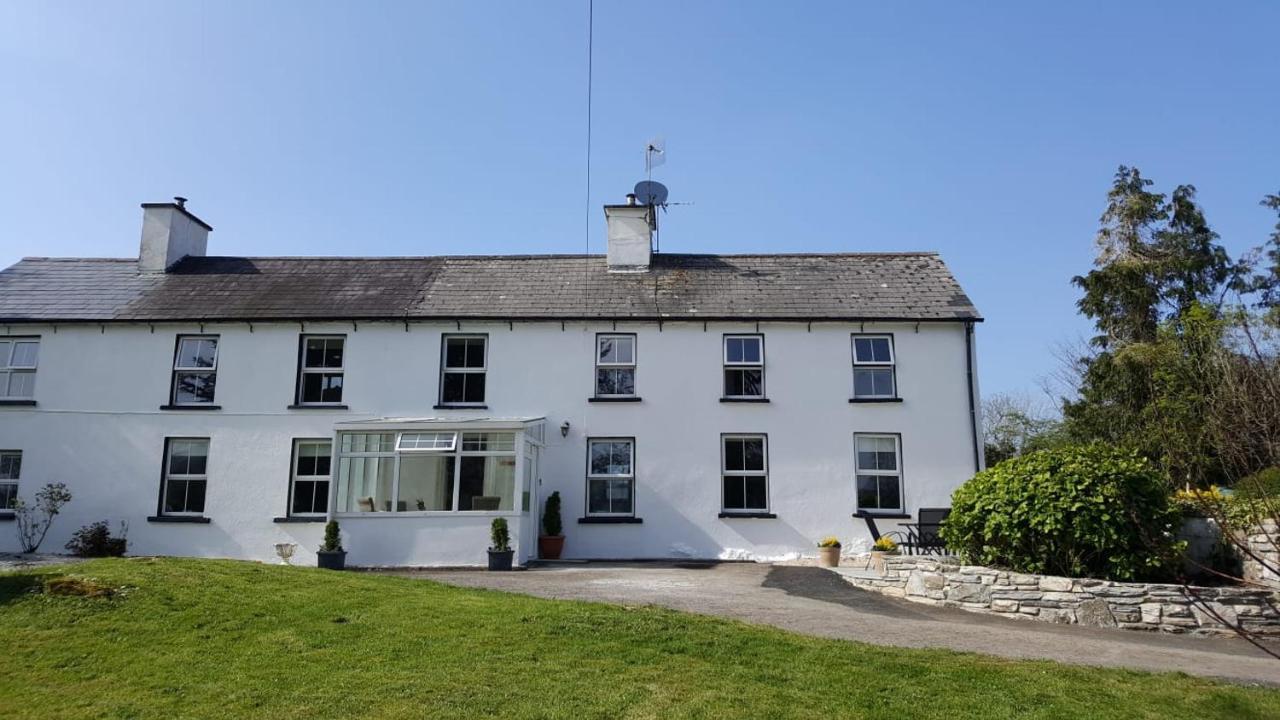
874	366
10	470
186	476
321	369
309	485
878	472
611	476
744	466
195	370
463	369
615	365
744	366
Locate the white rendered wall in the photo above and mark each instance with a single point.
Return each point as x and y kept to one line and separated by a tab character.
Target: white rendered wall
98	428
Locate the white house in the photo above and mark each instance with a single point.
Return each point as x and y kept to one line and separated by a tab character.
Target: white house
684	406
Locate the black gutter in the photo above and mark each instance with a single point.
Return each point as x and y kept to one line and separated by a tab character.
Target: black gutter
973	405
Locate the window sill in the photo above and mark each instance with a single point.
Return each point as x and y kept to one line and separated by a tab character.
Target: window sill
455	406
613	399
888	515
316	406
17	403
195	519
876	400
743	400
190	407
755	515
610	520
7	516
292	519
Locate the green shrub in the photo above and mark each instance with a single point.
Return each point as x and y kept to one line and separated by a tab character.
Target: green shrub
551	524
1261	485
94	540
1080	511
332	538
500	536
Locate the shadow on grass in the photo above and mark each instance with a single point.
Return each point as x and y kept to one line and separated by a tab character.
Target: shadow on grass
16	586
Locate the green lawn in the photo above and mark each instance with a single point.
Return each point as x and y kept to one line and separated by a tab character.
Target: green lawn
222	639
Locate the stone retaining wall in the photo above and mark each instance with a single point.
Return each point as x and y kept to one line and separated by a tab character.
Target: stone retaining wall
1262	543
1099	603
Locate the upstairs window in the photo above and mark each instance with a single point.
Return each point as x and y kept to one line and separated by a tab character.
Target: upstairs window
878	469
610	476
462	372
873	367
744	467
615	365
195	370
320	370
309	488
185	476
18	368
10	468
743	367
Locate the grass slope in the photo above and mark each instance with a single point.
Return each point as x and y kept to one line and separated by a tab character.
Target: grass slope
223	639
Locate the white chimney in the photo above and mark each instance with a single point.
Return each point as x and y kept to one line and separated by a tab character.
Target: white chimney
169	233
631	229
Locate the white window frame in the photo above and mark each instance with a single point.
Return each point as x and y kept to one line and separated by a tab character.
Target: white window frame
601	365
164	490
902	489
295	477
8	369
445	369
11	482
194	369
725	471
397	451
741	365
441	441
304	370
630	477
891	365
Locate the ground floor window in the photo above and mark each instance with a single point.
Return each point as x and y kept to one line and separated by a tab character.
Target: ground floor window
878	472
185	476
10	469
426	471
309	490
610	476
745	473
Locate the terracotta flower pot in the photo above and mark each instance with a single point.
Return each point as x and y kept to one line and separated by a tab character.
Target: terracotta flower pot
829	556
550	546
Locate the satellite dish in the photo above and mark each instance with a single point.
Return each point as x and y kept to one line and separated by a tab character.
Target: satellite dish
651	192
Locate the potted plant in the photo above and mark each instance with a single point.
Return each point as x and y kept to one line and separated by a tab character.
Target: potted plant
551	541
331	556
829	551
883	546
500	552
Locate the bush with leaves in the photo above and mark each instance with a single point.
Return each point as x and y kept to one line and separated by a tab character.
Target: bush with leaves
1262	485
94	541
35	519
500	535
332	537
1081	511
552	525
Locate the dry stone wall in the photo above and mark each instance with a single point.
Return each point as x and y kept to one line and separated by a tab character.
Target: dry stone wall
1098	603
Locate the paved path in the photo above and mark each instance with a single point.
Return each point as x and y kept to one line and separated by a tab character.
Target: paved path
817	602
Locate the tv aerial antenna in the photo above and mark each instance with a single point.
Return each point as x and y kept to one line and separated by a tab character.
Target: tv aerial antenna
649	191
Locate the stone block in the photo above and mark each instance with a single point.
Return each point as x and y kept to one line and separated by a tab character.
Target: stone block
1004	606
1021	579
1150	613
1028	610
1055	584
1015	594
1063	597
1174	610
1060	616
969	592
1095	613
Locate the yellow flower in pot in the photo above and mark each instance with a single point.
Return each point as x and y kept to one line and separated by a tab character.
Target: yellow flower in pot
883	546
829	551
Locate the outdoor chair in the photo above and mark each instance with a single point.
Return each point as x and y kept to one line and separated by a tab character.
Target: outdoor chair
925	537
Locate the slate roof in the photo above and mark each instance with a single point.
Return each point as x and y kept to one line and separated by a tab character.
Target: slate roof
863	286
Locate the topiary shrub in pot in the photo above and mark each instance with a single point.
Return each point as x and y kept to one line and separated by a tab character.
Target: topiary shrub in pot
500	552
331	555
551	541
1080	511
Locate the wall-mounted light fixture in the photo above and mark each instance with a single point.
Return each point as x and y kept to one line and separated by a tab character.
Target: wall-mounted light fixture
564	429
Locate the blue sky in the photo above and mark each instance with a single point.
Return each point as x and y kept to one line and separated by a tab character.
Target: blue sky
986	131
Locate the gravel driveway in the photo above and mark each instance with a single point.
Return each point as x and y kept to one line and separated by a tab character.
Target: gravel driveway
814	601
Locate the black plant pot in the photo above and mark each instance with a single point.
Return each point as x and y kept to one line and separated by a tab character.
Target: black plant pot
500	559
331	559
